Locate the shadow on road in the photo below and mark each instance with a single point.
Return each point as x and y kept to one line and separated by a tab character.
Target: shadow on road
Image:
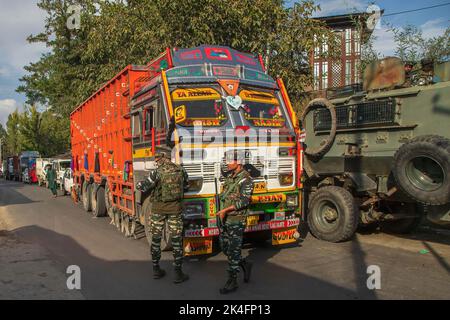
12	195
125	279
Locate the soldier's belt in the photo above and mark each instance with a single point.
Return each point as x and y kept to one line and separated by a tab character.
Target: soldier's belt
269	198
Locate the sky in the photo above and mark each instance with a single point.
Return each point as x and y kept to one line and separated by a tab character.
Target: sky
20	18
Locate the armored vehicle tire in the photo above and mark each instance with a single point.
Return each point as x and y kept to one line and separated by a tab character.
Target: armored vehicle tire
166	241
98	201
422	168
86	196
333	215
321	150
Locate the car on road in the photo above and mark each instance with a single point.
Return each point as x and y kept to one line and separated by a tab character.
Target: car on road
25	176
67	182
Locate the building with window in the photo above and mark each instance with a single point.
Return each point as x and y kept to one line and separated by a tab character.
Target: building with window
340	68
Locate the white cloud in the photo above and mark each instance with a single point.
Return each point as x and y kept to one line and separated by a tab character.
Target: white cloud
7	106
433	28
385	43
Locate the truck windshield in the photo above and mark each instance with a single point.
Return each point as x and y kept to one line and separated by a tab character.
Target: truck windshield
198	106
262	109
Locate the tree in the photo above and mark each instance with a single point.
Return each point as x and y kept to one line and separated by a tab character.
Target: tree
134	32
13	133
413	46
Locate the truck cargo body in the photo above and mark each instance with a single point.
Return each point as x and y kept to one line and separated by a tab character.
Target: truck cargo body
24	160
117	131
13	168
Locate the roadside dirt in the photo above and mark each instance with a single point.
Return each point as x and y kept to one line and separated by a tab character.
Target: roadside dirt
28	272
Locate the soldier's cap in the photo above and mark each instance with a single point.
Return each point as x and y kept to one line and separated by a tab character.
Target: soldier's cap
235	156
162	152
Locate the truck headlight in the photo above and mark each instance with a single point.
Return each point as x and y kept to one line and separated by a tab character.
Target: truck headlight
286	179
195	184
292	200
194	210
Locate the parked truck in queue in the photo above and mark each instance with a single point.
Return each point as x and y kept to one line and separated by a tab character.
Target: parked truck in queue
202	102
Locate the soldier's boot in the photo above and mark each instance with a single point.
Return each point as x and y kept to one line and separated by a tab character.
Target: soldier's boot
230	286
180	276
158	273
247	268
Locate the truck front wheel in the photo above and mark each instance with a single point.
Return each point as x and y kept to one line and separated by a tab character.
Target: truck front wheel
333	214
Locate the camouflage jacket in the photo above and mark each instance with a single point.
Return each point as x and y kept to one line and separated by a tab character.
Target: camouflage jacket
237	192
155	184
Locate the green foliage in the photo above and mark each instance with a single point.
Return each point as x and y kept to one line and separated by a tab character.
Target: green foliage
33	130
134	32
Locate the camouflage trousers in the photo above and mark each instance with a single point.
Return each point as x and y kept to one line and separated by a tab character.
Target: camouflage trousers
175	223
230	240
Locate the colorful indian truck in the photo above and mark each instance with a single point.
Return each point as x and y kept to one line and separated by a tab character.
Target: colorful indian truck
202	102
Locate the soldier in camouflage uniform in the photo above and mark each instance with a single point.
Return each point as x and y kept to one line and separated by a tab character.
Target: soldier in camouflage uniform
234	201
167	183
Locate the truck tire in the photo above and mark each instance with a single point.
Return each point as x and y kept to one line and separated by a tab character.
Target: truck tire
421	169
333	215
402	226
166	241
325	146
86	196
98	201
108	201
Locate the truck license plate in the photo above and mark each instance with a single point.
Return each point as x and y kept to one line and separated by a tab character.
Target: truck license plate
252	220
283	236
197	246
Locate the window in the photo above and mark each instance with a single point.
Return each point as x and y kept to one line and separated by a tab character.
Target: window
325	46
262	109
148	121
316	48
348	72
316	75
324	75
357	43
136	125
348	42
198	106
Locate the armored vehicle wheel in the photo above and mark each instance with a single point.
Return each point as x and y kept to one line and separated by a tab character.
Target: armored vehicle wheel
86	196
422	168
166	241
326	144
98	201
333	215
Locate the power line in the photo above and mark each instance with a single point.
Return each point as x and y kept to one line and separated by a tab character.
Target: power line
414	10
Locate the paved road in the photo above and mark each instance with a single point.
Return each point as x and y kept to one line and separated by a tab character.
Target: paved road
116	267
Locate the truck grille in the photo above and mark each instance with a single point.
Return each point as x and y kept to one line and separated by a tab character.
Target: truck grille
359	115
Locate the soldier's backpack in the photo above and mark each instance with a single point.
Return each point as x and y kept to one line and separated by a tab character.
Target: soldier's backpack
171	182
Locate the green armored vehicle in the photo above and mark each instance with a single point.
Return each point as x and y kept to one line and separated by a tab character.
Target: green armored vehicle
382	156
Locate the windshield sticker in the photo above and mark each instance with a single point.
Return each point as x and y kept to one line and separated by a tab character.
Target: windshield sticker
258	96
195	94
